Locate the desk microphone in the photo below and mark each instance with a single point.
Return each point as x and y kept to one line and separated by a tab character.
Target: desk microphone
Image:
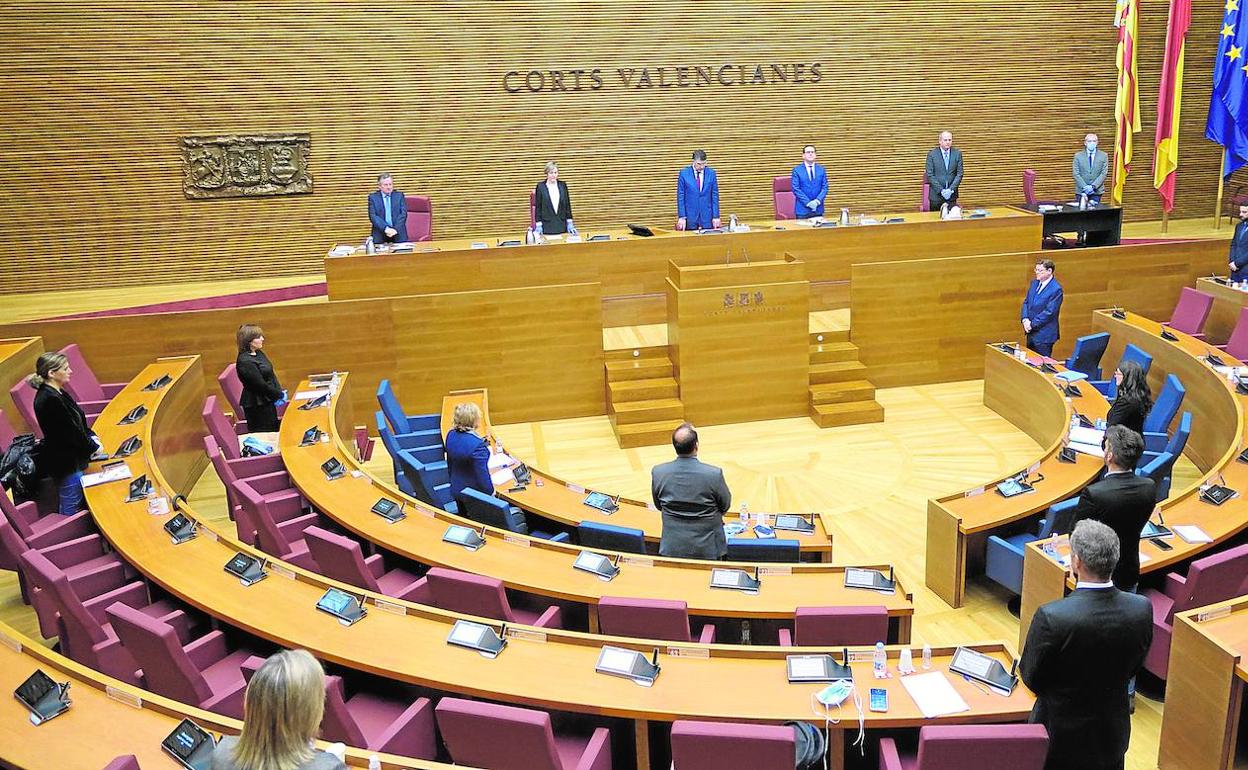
745	252
654	658
728	257
890	575
1014	669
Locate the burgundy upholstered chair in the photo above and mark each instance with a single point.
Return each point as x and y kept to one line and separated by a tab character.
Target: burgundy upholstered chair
957	747
83	627
24	399
341	558
280	538
419	218
649	619
279	493
1236	346
127	762
925	204
782	199
41	531
822	626
1191	312
232	388
1029	186
484	597
732	746
205	673
532	209
86	389
519	739
7	433
378	723
220	428
1209	580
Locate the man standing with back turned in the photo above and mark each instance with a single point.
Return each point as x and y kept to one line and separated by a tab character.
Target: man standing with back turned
693	498
1079	654
1041	307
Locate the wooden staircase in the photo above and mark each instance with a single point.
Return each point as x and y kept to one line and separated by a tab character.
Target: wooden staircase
840	393
642	396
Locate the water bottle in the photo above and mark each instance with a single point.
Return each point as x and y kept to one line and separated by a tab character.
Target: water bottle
879	661
844	217
927	656
1083	202
1074	421
537	233
732	223
744	516
374	762
369	248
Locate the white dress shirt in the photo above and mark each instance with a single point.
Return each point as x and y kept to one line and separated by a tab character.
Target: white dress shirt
553	189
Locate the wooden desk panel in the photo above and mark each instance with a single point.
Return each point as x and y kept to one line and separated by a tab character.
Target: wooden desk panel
541	567
17	362
1227	305
958	524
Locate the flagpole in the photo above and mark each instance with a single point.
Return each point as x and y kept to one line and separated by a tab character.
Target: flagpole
1165	222
1217	211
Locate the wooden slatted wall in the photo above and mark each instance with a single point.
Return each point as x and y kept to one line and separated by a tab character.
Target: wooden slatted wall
97	95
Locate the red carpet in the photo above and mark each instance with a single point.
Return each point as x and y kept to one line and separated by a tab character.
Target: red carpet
241	299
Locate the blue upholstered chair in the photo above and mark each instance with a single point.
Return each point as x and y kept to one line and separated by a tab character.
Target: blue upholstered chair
609	537
423	446
426	426
428	477
1109	388
1177	442
1157	423
489	510
1004	555
749	549
1086	357
1159	469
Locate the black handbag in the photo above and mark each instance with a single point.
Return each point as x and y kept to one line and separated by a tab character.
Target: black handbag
811	746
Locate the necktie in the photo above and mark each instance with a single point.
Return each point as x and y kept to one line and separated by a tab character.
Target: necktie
386	200
946	154
810	173
699	176
1091	159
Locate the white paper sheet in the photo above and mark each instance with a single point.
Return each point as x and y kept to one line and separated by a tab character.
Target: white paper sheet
501	460
308	395
934	695
1191	533
502	477
113	473
1084	435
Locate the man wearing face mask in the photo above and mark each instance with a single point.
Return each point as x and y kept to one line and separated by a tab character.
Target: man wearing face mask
1239	246
943	172
1090	168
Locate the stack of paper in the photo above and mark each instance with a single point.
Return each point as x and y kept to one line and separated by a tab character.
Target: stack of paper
1070	375
1191	533
933	694
110	473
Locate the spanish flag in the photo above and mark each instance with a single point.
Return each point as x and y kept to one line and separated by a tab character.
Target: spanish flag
1127	106
1169	100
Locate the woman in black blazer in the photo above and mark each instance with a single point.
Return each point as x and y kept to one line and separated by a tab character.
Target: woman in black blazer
1134	398
261	390
552	206
68	442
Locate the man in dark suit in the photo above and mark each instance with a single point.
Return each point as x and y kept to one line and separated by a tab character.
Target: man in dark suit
1120	500
1090	167
693	498
1041	307
697	195
944	173
809	183
552	207
1239	247
387	210
1080	653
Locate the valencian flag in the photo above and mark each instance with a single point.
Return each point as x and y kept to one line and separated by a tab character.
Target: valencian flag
1169	100
1127	106
1228	108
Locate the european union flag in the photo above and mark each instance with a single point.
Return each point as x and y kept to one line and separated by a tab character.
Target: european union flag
1228	108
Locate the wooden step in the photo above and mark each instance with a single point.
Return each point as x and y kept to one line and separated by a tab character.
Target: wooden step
841	335
856	413
648	410
842	392
831	352
638	369
626	354
646	433
839	371
641	390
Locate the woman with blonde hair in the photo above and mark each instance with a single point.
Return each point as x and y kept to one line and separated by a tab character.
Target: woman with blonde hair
282	713
68	442
467	454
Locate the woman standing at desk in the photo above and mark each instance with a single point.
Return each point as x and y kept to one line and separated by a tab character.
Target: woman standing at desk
467	454
552	208
1134	398
261	390
67	441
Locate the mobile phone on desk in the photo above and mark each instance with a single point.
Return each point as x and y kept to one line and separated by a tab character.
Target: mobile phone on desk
1162	544
879	699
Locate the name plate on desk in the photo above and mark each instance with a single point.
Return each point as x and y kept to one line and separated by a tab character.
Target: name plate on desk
689	652
1215	614
525	634
519	540
973	492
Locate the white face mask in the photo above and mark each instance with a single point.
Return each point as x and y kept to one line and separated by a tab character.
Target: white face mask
1091	146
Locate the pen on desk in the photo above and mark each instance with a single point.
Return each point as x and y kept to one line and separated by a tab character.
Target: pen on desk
982	688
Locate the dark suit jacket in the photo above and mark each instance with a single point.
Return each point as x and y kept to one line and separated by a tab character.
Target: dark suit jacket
260	385
398	216
553	220
940	177
693	498
1043	310
1127	413
1079	654
67	443
468	462
1123	502
1239	252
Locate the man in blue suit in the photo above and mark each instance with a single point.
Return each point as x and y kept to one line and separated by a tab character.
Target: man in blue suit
387	210
1239	247
697	195
1041	308
809	182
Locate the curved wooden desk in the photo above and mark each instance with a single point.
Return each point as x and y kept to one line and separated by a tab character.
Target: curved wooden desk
1218	436
562	501
407	642
107	718
539	566
958	524
17	361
